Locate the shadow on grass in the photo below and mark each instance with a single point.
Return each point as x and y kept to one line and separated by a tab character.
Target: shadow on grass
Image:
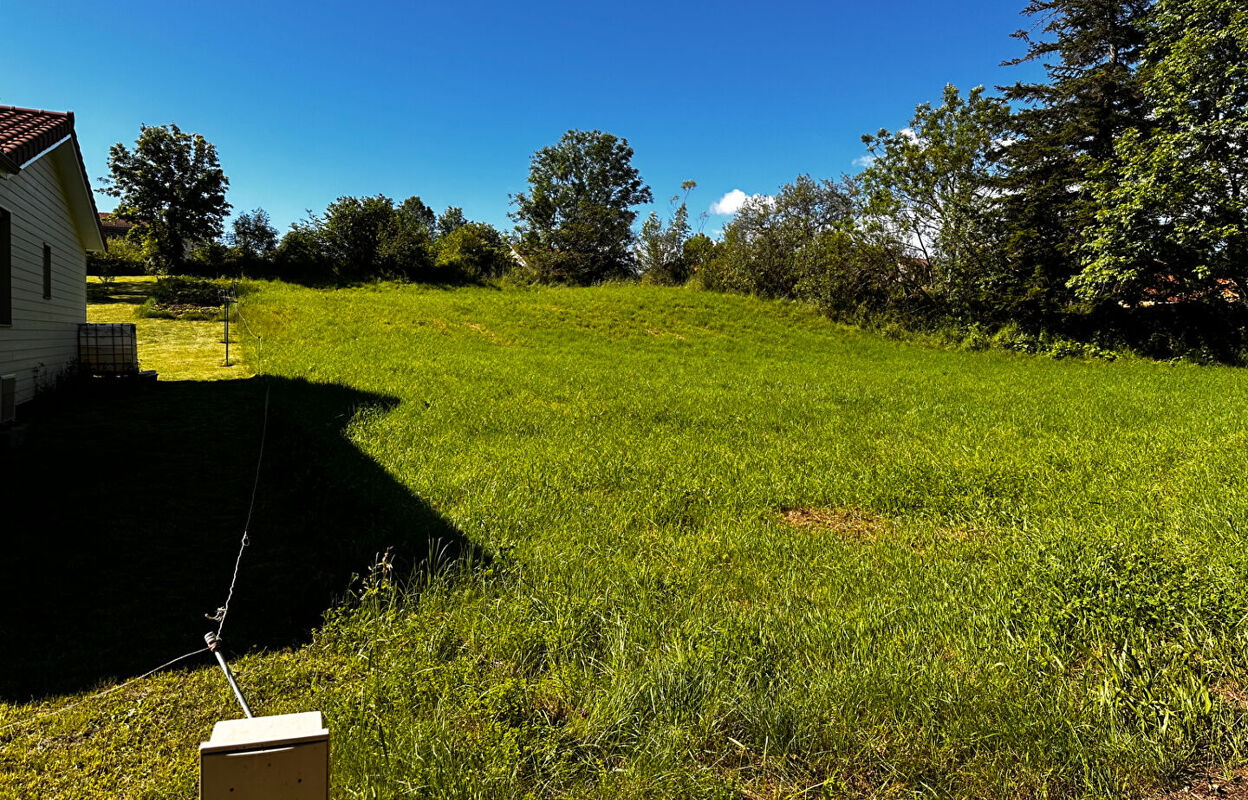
119	290
128	504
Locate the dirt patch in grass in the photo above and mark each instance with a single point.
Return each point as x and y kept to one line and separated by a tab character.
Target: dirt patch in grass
856	525
851	523
1211	784
477	327
1232	693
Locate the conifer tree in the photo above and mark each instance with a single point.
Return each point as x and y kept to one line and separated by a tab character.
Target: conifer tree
1063	129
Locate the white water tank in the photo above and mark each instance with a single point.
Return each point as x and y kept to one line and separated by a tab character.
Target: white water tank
108	348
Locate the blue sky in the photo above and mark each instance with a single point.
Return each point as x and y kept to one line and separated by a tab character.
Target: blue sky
309	101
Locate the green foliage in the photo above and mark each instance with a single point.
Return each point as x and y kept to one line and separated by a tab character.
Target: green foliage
1172	217
472	251
406	249
353	233
300	255
781	246
660	250
699	251
449	220
126	256
1062	130
361	238
179	290
253	235
213	259
575	223
172	184
927	195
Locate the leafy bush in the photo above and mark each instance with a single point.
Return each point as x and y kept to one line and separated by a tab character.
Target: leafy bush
472	252
212	260
176	290
300	256
124	257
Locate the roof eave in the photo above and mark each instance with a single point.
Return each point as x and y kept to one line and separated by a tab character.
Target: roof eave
67	158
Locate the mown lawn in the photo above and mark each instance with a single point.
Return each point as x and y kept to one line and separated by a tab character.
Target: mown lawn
179	350
710	546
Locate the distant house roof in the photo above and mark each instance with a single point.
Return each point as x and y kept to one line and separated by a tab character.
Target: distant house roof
114	226
26	135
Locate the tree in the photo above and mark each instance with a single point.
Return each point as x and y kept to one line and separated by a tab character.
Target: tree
473	251
352	232
575	224
1173	203
253	235
406	243
777	246
1063	128
450	220
171	182
660	250
301	255
929	185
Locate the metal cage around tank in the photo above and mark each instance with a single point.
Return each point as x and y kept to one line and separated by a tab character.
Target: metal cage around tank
108	348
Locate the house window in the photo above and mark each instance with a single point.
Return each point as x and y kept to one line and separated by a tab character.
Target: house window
47	272
6	268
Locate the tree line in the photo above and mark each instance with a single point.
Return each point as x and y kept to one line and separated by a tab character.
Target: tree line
1107	204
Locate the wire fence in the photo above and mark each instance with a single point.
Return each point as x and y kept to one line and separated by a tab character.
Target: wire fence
103	693
220	616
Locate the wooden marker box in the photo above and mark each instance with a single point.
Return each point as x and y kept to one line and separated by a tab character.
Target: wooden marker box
283	757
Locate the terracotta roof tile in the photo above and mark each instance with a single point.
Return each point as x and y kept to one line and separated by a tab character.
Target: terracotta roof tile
27	132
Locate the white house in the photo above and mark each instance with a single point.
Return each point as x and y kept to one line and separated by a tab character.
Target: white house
48	222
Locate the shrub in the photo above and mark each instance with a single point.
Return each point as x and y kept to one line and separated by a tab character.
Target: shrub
176	290
211	260
472	252
124	257
300	256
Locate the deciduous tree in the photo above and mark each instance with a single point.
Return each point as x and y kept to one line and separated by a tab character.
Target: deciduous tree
660	249
171	182
253	234
575	223
473	251
929	185
1173	204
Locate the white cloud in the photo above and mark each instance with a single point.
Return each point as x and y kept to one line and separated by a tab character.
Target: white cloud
733	201
730	203
862	162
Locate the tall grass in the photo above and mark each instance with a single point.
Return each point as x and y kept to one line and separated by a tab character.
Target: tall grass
1043	596
728	549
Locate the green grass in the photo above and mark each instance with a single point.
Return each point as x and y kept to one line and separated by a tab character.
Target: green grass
727	549
178	349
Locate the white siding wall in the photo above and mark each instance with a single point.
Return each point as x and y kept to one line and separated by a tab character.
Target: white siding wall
43	340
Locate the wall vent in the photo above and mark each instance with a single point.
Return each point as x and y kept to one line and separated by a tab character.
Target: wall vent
8	398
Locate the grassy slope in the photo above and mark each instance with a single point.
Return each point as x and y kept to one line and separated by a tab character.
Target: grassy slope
1039	592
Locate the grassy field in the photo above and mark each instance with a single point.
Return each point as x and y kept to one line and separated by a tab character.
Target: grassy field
179	350
705	546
